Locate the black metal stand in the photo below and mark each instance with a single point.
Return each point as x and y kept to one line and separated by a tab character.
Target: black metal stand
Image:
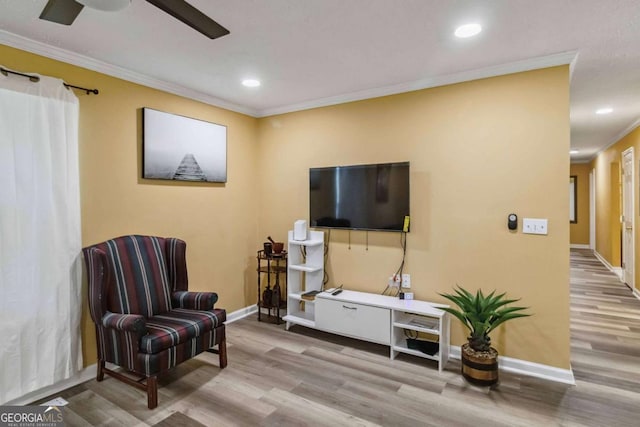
270	297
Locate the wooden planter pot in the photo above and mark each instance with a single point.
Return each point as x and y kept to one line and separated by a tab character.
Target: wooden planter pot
479	367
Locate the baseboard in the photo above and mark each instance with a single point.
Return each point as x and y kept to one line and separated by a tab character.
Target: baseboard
84	375
507	364
242	313
524	367
579	246
618	272
602	260
636	293
615	270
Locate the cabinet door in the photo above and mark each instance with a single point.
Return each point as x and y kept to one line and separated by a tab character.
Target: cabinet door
354	320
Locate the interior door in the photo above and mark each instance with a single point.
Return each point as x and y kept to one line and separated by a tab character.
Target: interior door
628	249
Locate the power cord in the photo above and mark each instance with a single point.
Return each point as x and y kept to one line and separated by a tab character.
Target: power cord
403	245
325	279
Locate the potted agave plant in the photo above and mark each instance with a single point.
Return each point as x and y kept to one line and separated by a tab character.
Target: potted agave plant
481	314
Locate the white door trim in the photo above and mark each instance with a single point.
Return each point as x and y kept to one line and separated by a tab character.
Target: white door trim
629	250
592	209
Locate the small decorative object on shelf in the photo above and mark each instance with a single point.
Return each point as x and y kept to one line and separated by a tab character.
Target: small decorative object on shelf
309	296
272	297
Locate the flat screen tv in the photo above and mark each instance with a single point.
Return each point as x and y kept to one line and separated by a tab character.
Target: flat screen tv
360	197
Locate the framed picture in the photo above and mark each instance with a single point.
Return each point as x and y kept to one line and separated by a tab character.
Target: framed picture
573	199
184	149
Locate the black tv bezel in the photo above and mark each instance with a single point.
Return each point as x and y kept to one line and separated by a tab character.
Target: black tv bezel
400	230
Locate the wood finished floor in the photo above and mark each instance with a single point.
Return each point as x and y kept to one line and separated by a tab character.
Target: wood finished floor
305	377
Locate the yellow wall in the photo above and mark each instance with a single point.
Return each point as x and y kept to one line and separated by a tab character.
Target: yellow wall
607	166
608	200
479	151
217	221
580	230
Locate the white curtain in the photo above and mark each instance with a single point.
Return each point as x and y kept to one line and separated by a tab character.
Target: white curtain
40	243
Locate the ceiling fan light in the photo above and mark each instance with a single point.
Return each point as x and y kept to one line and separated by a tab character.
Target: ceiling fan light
106	5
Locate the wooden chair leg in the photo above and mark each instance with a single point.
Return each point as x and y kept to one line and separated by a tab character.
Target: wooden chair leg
152	392
222	352
100	374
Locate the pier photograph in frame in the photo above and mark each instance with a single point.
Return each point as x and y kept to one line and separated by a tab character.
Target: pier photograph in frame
183	149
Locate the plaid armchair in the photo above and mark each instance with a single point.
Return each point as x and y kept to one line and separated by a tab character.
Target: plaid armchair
146	320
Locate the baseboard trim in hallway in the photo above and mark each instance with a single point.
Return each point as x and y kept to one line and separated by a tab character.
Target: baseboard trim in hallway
615	270
579	246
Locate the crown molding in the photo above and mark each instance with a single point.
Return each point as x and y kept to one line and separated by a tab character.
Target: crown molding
57	53
563	58
626	131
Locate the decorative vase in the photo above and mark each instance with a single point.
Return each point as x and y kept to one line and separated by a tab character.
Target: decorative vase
479	367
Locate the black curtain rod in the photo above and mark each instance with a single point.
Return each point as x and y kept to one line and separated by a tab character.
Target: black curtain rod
36	79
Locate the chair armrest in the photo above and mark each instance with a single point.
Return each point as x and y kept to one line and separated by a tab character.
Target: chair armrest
194	300
125	322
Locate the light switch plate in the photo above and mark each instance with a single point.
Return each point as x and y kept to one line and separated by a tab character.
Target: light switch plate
535	226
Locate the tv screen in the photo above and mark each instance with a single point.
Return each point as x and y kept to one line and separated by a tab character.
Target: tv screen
362	197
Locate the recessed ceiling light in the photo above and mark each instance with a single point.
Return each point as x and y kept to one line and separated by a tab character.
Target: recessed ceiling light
573	151
251	82
605	110
468	30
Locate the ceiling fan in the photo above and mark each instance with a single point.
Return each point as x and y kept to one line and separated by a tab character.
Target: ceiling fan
65	12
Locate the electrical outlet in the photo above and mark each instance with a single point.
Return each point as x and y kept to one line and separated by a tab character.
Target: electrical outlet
406	280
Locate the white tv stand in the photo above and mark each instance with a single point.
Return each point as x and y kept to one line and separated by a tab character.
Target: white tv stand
376	318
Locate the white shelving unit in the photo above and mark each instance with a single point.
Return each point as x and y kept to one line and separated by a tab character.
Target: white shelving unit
435	323
304	273
376	318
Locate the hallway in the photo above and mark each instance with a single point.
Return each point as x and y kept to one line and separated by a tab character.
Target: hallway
605	338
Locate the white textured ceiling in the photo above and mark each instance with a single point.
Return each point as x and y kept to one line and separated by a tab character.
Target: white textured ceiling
318	52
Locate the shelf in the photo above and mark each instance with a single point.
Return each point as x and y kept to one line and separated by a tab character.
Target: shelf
312	242
305	267
429	325
298	297
273	257
283	305
301	318
403	349
274	269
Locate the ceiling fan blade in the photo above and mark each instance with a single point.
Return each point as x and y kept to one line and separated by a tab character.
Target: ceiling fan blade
61	11
191	16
